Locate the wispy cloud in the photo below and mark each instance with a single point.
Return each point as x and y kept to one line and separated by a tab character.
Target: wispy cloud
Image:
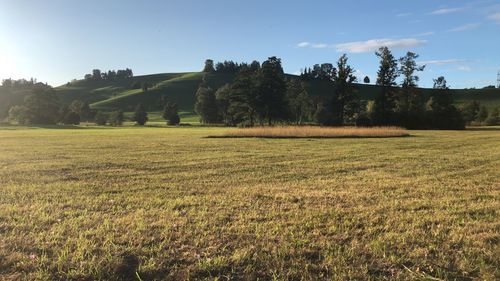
429	33
375	44
313	45
445	11
303	45
466	27
495	17
442	62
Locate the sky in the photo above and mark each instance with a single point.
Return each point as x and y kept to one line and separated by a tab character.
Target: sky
56	41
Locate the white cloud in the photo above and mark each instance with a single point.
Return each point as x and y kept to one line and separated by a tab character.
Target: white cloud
375	44
466	27
495	17
312	45
429	33
441	62
303	45
445	11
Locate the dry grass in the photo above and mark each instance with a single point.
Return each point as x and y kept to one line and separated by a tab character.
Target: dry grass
169	204
315	132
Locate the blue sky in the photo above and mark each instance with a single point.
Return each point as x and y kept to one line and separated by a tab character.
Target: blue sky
58	40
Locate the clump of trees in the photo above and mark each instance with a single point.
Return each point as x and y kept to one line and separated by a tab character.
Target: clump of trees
476	114
259	94
119	74
40	107
229	66
262	94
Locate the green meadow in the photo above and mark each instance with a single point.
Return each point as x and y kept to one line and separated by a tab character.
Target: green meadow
157	203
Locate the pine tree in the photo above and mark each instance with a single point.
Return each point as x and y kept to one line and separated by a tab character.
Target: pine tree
410	102
171	114
386	78
299	101
140	115
345	99
271	92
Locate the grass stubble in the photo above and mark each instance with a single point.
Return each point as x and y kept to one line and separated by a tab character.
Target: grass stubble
170	204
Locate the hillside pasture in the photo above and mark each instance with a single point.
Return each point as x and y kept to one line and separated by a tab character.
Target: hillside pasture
181	88
101	203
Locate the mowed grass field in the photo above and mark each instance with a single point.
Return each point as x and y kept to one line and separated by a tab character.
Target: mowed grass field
169	204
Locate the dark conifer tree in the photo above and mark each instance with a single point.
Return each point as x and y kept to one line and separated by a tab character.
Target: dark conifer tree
345	100
271	92
140	115
386	79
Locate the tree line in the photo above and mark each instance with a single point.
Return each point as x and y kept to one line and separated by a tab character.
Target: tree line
263	94
97	74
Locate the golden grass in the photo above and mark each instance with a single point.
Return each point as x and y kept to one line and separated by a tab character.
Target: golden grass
315	132
168	204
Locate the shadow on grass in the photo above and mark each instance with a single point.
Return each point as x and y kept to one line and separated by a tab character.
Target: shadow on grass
308	137
481	129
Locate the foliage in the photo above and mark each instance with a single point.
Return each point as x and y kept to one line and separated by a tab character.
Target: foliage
386	79
441	113
171	114
270	96
206	105
71	118
237	102
101	118
110	75
19	114
323	116
345	101
482	114
42	105
140	115
300	104
209	66
116	118
493	118
325	72
470	111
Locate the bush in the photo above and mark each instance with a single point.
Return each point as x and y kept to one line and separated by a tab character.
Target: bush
19	114
116	118
493	119
71	118
101	118
174	120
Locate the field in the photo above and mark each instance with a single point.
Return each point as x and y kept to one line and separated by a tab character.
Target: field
90	203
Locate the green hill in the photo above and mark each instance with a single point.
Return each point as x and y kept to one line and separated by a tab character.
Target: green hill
181	88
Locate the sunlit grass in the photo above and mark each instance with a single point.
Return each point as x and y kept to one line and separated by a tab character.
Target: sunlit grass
103	203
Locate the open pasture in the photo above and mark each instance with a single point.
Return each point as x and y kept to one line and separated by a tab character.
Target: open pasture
171	204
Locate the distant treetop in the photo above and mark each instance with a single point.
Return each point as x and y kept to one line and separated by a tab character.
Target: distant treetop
110	74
